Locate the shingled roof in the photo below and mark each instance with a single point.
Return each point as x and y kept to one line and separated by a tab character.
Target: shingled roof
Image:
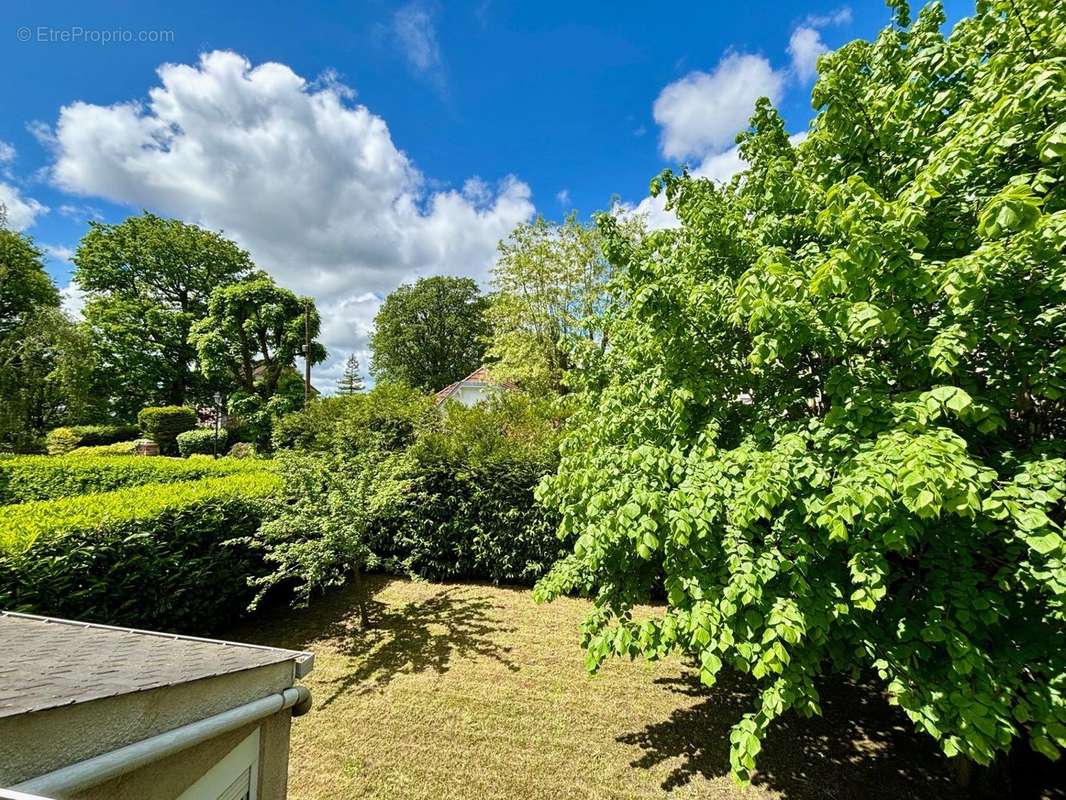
48	662
479	377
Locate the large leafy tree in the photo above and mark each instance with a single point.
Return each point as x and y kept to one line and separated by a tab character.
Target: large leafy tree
24	284
147	280
833	411
430	333
549	284
45	359
252	334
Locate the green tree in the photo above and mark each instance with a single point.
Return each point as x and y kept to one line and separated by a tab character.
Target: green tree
147	280
351	382
430	334
550	290
252	334
24	284
45	359
46	371
831	419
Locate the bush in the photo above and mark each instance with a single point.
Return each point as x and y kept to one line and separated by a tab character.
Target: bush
201	441
26	478
116	449
387	418
243	450
441	494
62	440
164	557
162	424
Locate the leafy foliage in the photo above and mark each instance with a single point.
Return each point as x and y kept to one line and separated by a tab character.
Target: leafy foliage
26	478
46	361
64	440
202	441
251	336
549	292
461	502
832	413
139	556
429	334
147	280
385	479
162	424
128	448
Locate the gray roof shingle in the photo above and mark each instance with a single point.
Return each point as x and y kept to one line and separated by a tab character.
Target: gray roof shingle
47	663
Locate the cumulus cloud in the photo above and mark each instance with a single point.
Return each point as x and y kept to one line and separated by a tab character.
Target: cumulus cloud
805	44
311	184
18	212
702	112
21	212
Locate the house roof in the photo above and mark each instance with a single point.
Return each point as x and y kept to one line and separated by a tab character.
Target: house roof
48	662
479	377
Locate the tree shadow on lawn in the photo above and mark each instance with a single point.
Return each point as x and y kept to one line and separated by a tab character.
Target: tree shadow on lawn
861	747
418	636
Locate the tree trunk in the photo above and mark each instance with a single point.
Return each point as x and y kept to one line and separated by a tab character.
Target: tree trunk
361	598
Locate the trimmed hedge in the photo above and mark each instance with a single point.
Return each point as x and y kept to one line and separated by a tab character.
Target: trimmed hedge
201	441
162	424
116	449
159	556
29	478
60	441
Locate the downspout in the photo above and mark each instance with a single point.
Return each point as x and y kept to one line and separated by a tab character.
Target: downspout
118	762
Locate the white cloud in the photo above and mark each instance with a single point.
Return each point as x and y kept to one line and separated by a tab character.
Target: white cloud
804	47
312	185
415	32
60	252
563	196
702	112
7	152
805	44
21	212
72	300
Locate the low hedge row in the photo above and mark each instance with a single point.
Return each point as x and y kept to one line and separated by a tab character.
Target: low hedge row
171	557
62	440
202	441
27	478
117	449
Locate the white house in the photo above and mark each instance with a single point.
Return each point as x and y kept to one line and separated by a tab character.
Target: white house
477	386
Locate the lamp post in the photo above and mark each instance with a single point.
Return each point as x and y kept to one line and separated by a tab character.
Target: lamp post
218	417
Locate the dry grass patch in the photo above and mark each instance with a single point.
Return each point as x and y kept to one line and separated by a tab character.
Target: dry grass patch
471	691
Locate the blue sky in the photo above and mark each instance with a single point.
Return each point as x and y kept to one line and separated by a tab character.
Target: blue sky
382	141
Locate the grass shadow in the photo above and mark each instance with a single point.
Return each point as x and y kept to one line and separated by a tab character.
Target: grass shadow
860	747
453	621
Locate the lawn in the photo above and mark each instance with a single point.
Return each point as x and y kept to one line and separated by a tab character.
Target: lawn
472	691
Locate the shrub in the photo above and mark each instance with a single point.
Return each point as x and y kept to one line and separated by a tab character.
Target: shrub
149	556
243	450
434	493
388	418
26	478
116	449
63	440
162	424
201	441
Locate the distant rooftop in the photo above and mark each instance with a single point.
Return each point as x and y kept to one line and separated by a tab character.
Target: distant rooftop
48	663
479	377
